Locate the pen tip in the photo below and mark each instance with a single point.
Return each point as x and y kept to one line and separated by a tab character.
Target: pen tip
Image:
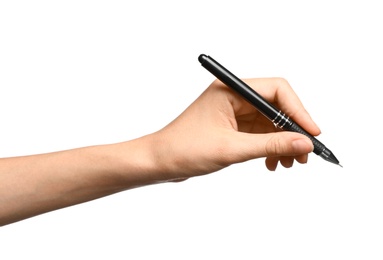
340	165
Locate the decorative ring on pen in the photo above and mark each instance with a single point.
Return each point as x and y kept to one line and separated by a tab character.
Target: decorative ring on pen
280	120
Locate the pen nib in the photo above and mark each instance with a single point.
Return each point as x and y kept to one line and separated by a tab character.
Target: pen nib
340	165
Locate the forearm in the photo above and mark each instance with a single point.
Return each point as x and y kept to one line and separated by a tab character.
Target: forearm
32	185
215	131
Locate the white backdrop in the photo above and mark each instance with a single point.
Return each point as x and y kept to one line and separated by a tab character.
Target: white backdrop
79	73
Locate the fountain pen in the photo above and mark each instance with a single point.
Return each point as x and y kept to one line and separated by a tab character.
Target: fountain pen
276	116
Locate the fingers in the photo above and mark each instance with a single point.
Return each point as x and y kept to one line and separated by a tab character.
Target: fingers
272	163
298	146
279	92
282	144
220	128
283	147
287	162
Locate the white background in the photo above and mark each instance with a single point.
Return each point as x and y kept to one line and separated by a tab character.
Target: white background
79	73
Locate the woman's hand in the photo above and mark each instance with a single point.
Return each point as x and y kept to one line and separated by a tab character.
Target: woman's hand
217	130
221	128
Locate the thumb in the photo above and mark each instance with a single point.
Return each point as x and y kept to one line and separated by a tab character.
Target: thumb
253	146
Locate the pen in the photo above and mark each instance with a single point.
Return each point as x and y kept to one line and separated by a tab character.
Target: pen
276	116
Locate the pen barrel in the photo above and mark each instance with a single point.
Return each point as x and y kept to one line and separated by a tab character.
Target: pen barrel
319	148
278	118
239	86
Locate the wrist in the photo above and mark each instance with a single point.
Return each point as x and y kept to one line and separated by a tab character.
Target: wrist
138	162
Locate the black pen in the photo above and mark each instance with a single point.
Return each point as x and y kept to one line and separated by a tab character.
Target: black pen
275	115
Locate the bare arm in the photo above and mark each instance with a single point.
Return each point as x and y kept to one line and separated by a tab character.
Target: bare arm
32	185
217	130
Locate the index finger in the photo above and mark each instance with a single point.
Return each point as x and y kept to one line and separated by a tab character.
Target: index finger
279	92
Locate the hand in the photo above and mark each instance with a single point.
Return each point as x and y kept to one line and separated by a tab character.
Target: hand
217	130
220	129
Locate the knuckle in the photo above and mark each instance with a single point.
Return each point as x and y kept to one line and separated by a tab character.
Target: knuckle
281	81
274	147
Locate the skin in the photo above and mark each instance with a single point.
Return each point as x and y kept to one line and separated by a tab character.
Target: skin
218	129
